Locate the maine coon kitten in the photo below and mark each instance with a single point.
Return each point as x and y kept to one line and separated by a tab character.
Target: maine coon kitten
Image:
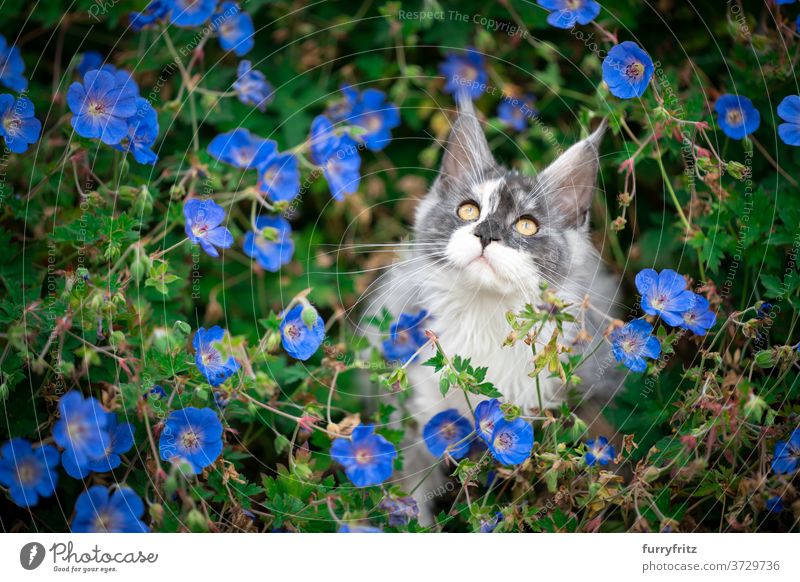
485	238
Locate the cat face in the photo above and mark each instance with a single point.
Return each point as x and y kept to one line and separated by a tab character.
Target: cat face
499	230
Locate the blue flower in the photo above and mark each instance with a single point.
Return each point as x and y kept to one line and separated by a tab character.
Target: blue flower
18	126
242	149
270	254
516	112
342	168
763	309
567	12
98	510
343	108
101	106
203	220
698	318
511	442
737	117
279	177
235	28
599	452
632	343
11	67
627	70
784	2
367	457
487	415
448	431
400	510
664	294
252	87
82	430
322	140
377	116
120	441
789	111
193	435
298	340
465	73
406	336
775	504
142	133
356	528
90	61
155	10
188	13
209	359
787	454
28	472
156	392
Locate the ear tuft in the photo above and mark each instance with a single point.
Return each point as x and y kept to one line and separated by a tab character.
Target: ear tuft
467	154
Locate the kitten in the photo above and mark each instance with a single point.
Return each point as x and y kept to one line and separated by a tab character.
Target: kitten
485	238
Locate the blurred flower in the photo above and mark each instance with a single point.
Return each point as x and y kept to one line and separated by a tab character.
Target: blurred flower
465	73
203	220
448	431
787	454
367	458
90	61
763	310
18	126
28	472
489	524
627	70
156	392
698	318
298	340
101	106
664	294
188	13
234	27
11	67
511	442
81	430
401	510
789	111
270	254
193	435
209	359
142	133
120	441
516	112
279	177
322	140
155	10
342	109
599	452
632	343
342	168
568	12
406	336
356	528
775	504
242	149
252	87
487	414
737	117
372	112
98	510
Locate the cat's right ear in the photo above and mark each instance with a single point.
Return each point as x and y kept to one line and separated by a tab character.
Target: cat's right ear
466	154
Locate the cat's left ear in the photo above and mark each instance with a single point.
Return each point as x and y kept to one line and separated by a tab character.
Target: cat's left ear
570	181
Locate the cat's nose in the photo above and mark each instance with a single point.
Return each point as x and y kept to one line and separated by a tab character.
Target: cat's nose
486	238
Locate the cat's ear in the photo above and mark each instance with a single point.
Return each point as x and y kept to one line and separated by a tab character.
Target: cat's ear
466	154
571	180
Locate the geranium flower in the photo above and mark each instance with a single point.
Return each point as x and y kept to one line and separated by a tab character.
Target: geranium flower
367	457
81	431
736	115
203	220
209	359
242	149
787	454
627	70
188	13
599	452
270	254
406	336
664	294
377	116
448	431
698	318
90	61
297	339
465	73
99	510
235	28
192	435
142	133
322	140
632	343
400	510
343	108
252	87
279	177
487	415
774	504
121	441
511	442
12	67
101	106
342	168
517	112
18	126
28	472
789	111
154	11
566	13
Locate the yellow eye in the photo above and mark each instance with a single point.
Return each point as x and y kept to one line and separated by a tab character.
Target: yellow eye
469	211
526	226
